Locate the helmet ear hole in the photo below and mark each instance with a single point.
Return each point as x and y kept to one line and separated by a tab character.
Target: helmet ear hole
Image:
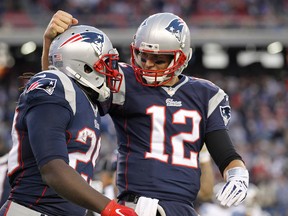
87	69
98	66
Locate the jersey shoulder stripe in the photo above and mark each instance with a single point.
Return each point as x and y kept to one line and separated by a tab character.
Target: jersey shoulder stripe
51	86
70	94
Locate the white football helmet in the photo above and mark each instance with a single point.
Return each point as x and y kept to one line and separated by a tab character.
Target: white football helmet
86	54
161	33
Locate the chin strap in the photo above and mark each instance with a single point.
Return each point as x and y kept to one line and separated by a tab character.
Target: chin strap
103	91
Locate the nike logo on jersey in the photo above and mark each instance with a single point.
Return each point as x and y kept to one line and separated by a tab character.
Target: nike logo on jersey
96	124
171	102
41	76
118	212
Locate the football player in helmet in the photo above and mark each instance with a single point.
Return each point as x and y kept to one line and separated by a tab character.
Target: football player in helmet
56	129
162	39
75	60
163	118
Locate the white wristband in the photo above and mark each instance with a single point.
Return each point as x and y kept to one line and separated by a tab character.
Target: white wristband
237	171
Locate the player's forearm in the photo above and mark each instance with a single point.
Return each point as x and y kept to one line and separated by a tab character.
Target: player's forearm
207	182
71	186
45	53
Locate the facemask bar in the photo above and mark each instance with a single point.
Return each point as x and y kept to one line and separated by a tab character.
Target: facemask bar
108	65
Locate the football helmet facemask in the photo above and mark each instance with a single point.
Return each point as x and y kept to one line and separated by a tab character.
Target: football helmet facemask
86	54
161	33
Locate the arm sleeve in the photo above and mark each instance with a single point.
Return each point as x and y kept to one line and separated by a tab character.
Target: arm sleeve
221	148
46	126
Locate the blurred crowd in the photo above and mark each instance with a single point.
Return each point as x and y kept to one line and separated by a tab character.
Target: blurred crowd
259	128
129	13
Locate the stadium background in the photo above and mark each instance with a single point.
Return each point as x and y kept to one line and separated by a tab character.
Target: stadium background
241	45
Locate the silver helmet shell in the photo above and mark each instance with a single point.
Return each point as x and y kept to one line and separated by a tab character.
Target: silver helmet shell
161	33
86	54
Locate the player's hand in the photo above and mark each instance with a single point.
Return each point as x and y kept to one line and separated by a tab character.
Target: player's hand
115	209
60	21
235	190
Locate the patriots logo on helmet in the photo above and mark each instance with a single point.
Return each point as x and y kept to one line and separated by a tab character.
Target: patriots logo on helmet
175	27
90	37
46	84
226	113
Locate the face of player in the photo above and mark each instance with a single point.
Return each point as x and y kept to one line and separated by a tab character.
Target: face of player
154	68
155	61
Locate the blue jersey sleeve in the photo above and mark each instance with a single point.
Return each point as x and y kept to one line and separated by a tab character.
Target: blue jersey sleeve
219	111
49	101
46	125
49	87
216	103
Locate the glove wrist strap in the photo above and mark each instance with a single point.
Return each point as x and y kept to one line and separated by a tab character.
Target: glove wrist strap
237	171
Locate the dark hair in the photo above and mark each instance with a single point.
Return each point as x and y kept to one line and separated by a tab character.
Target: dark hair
25	77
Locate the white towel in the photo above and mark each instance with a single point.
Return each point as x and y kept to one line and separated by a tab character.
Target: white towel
146	206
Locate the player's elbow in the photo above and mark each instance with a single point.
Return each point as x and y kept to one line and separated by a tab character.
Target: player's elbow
205	195
52	171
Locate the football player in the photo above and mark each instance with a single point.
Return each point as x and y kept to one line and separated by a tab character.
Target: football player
4	183
56	129
163	118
